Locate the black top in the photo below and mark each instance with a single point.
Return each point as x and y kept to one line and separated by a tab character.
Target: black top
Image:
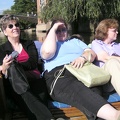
28	46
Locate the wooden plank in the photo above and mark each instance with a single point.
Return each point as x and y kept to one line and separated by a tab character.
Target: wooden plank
73	113
78	118
116	105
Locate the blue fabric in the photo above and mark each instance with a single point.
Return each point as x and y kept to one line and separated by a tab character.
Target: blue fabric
38	46
54	104
113	98
66	52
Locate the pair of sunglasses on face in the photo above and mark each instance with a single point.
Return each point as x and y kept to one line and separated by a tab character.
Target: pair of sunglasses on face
12	25
61	30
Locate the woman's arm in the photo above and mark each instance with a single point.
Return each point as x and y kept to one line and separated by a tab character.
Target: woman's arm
48	47
80	61
89	54
5	65
102	55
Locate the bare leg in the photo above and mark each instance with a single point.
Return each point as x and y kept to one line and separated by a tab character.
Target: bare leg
107	112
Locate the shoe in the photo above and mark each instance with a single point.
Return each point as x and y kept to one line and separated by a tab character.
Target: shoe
60	119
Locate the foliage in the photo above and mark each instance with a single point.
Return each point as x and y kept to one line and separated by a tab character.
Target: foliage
8	12
71	10
24	6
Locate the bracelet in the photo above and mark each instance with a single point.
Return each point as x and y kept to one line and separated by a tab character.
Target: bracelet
84	57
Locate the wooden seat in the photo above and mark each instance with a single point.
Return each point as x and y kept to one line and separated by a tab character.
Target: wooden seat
70	113
73	113
66	111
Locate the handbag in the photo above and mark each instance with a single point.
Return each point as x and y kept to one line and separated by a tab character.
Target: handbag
90	75
17	78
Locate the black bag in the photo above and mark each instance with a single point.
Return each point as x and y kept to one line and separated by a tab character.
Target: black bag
17	78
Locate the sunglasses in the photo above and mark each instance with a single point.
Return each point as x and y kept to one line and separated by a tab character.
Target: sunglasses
113	30
11	25
61	30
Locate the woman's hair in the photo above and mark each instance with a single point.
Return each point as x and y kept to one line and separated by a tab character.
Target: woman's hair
4	21
56	21
78	36
103	26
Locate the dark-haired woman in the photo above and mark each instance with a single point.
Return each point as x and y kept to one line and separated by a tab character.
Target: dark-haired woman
57	51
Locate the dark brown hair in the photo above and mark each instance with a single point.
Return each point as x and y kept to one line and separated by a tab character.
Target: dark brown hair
4	21
77	36
55	21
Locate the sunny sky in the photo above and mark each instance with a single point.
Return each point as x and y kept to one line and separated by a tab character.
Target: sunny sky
6	4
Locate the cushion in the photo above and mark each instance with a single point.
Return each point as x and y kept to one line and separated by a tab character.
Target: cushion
113	98
38	46
54	104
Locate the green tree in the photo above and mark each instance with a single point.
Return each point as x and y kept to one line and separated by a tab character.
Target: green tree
24	6
74	10
8	11
21	8
70	10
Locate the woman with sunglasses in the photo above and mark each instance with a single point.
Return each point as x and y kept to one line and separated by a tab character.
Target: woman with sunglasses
58	50
108	52
33	100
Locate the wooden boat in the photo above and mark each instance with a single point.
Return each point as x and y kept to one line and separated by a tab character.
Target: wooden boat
58	110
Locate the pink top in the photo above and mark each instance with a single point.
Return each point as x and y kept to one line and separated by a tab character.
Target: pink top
23	57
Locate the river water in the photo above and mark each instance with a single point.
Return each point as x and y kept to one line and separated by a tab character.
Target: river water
27	35
32	35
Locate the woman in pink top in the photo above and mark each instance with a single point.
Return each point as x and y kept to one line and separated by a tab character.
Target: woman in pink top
32	99
108	51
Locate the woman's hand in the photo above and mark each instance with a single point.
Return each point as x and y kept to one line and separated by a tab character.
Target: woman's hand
56	25
6	63
79	62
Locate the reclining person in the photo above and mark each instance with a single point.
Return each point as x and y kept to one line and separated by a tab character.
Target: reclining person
56	51
108	52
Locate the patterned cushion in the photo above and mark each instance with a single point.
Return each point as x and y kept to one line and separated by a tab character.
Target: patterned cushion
54	104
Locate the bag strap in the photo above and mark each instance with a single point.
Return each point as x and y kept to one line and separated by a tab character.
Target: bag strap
59	74
89	57
55	80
